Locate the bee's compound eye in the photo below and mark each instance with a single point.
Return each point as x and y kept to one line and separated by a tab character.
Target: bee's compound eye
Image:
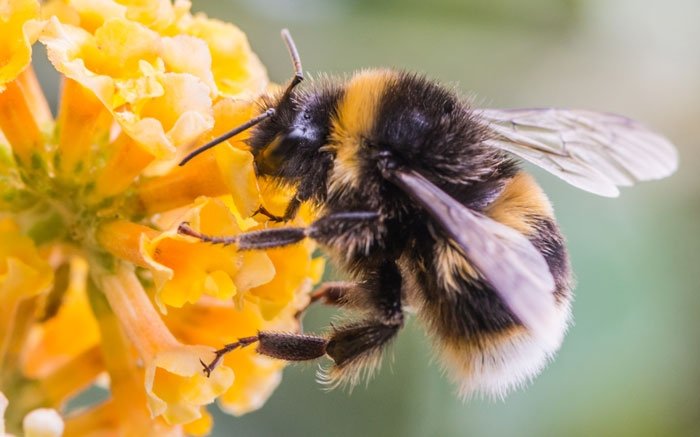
448	107
386	161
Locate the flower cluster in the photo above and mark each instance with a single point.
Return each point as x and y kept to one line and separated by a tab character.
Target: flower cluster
96	284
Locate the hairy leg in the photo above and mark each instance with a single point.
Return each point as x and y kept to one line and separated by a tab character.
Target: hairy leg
355	347
329	293
322	229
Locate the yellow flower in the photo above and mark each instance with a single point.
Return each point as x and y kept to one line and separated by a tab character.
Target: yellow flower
233	65
52	343
175	386
184	269
90	204
15	52
23	275
256	376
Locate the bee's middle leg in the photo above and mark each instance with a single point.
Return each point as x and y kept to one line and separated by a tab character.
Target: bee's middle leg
356	347
344	294
333	292
329	293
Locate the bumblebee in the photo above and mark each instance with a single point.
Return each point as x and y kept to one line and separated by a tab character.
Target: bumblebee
423	203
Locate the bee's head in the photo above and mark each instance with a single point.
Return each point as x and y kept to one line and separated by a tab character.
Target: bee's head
290	132
288	145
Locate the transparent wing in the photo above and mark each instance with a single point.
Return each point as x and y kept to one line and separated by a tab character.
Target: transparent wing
505	258
594	151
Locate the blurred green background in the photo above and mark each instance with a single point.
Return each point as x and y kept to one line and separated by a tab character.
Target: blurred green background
630	365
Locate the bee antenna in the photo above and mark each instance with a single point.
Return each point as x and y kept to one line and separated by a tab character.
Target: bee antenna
233	132
296	80
296	61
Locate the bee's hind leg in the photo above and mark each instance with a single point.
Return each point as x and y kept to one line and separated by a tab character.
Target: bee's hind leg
284	346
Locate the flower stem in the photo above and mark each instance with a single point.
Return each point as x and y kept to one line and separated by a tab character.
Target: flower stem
21	320
137	316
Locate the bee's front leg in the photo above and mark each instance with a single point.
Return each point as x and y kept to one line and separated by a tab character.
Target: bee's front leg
272	217
289	213
303	194
332	224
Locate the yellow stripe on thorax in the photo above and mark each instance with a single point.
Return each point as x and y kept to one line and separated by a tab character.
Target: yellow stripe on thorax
521	201
354	121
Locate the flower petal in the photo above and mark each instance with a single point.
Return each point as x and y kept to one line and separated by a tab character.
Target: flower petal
187	54
177	387
199	268
209	322
182	185
20	122
83	121
201	426
16	49
93	13
126	162
237	70
156	14
294	269
160	110
129	42
53	342
23	272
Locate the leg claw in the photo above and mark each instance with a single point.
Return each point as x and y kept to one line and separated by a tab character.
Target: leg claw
273	218
208	368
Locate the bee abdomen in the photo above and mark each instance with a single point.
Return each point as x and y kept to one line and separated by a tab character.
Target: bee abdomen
550	242
482	345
